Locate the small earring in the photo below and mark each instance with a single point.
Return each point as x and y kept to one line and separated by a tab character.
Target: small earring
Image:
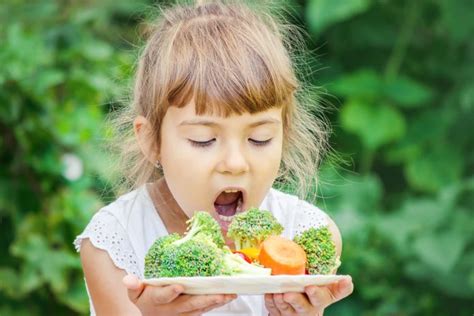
157	164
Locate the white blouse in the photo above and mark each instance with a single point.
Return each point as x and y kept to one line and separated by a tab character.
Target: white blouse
127	227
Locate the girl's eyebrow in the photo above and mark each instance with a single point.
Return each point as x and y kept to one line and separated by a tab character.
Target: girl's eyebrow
215	124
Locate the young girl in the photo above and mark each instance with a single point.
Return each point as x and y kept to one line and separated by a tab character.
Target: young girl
216	121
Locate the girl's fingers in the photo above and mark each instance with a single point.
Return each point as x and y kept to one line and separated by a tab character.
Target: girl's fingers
323	296
271	306
298	301
193	303
134	287
209	308
283	307
165	294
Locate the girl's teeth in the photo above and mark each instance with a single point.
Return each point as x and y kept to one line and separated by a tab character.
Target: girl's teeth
231	191
226	218
239	206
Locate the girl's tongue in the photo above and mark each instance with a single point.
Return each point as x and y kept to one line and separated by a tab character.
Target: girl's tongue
226	203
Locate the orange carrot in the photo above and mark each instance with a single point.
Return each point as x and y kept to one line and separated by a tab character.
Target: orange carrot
282	255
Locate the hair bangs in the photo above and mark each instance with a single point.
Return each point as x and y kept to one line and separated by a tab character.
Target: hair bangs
226	74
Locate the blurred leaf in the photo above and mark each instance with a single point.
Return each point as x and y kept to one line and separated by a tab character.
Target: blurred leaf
458	283
364	83
434	169
339	189
42	261
351	199
29	280
76	296
45	80
9	281
407	92
323	13
96	50
376	125
60	264
457	18
414	217
422	130
440	250
15	55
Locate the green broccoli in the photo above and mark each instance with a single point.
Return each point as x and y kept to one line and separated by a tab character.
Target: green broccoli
153	256
203	223
320	250
201	252
249	229
198	256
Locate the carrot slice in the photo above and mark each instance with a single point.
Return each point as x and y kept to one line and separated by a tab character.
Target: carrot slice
282	255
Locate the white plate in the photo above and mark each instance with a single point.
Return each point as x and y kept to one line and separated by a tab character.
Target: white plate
247	284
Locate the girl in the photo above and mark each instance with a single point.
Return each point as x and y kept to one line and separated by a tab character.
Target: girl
216	120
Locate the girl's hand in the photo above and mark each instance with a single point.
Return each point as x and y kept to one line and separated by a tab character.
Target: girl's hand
313	302
168	300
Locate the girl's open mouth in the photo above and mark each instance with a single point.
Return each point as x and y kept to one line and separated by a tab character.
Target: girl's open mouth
227	204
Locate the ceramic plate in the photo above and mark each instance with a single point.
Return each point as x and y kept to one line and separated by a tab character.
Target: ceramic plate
247	284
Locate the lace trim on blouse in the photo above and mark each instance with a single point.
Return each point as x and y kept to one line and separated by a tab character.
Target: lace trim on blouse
105	232
308	216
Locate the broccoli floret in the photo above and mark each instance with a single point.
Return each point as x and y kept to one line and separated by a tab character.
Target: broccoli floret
203	223
195	254
153	256
198	256
320	250
236	265
249	229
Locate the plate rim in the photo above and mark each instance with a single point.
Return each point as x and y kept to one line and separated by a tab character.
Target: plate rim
202	290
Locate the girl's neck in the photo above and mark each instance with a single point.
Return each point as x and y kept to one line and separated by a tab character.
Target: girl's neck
168	209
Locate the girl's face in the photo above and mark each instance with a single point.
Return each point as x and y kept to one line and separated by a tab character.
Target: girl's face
221	165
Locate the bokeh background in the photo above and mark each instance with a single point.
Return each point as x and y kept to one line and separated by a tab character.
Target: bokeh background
397	78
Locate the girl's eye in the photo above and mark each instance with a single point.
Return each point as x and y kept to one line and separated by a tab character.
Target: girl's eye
203	143
260	142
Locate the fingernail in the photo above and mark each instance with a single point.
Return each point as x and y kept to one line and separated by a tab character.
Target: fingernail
345	281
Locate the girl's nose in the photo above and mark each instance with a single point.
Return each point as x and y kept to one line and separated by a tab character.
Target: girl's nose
234	161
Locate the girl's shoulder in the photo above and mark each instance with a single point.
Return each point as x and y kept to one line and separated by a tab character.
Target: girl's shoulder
123	228
295	214
125	210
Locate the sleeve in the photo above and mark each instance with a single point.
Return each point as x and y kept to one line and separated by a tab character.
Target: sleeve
307	216
106	233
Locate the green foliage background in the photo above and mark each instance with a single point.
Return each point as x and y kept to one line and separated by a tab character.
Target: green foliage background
400	77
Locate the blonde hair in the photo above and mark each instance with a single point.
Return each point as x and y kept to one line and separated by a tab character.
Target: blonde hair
228	59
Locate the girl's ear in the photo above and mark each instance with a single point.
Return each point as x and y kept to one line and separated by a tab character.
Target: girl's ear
144	136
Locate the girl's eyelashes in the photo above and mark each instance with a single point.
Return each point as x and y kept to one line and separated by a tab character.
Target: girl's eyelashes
260	142
206	143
